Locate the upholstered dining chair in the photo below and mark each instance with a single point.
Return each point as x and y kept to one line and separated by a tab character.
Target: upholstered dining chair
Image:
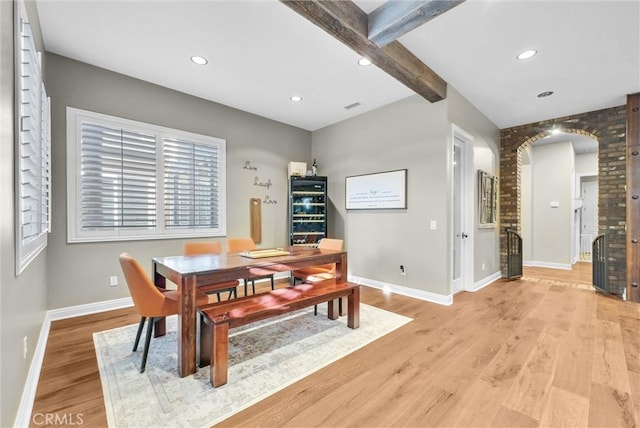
211	247
151	302
235	245
319	273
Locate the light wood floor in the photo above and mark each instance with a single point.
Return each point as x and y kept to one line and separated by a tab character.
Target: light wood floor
536	352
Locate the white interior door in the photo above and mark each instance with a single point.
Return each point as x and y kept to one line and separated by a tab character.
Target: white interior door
462	215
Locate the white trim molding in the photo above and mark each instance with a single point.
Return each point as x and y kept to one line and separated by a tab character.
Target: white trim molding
405	291
477	286
550	265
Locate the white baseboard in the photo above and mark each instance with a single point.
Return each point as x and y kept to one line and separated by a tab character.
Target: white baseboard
486	281
534	263
405	291
90	308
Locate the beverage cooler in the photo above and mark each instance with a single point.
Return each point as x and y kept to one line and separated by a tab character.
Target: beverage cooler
307	210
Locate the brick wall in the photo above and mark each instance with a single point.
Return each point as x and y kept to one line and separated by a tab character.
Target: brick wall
608	127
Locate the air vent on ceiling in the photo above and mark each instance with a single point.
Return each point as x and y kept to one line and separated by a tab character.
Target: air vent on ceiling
350	106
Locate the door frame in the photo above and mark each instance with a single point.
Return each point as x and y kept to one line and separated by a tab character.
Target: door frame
467	208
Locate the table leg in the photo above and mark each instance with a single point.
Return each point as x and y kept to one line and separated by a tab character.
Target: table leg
332	312
160	326
187	326
342	276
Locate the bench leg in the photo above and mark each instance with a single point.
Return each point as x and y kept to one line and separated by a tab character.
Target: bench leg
353	318
205	343
220	354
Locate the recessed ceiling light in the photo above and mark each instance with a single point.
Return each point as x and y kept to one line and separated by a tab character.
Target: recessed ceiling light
545	94
364	61
526	54
296	98
200	60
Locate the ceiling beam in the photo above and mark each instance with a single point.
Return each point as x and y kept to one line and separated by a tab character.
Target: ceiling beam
345	21
397	17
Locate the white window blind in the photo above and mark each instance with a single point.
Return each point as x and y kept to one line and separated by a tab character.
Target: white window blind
118	179
33	152
141	181
191	184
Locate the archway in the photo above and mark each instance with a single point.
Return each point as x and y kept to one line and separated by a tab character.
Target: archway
558	206
608	127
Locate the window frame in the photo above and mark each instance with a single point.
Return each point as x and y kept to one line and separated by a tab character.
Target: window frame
75	234
34	181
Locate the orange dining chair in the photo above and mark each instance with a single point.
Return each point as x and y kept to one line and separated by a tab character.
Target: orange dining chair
319	273
150	301
235	245
211	247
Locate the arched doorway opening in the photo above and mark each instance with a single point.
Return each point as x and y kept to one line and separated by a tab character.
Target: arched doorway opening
558	178
608	127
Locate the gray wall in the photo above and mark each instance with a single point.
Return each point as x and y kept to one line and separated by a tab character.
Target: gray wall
266	144
416	135
411	134
486	153
22	299
552	181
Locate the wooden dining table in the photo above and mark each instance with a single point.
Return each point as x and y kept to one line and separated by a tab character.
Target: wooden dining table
190	272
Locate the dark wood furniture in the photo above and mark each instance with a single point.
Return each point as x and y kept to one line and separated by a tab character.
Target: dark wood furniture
218	318
189	272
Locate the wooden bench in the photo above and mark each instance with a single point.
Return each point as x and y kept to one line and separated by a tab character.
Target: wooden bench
218	318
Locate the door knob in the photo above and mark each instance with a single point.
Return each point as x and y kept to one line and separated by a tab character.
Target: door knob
464	235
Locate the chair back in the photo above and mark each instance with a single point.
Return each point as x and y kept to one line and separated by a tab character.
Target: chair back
240	244
330	244
147	298
207	247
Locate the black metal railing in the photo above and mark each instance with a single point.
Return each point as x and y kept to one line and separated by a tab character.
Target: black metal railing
514	254
600	263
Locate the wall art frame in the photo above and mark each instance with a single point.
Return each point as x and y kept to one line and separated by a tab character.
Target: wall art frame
487	199
376	191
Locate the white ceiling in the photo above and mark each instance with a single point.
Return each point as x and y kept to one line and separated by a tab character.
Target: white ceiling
260	53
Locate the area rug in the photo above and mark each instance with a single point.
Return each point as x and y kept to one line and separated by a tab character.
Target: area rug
264	357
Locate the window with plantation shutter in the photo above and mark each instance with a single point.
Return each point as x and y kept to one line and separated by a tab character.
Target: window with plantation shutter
191	173
32	151
131	180
117	179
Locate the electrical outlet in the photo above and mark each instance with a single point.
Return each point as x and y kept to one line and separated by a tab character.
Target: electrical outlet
25	347
113	281
403	271
483	267
433	225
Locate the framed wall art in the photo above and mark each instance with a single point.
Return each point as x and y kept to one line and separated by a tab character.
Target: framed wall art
487	199
381	190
